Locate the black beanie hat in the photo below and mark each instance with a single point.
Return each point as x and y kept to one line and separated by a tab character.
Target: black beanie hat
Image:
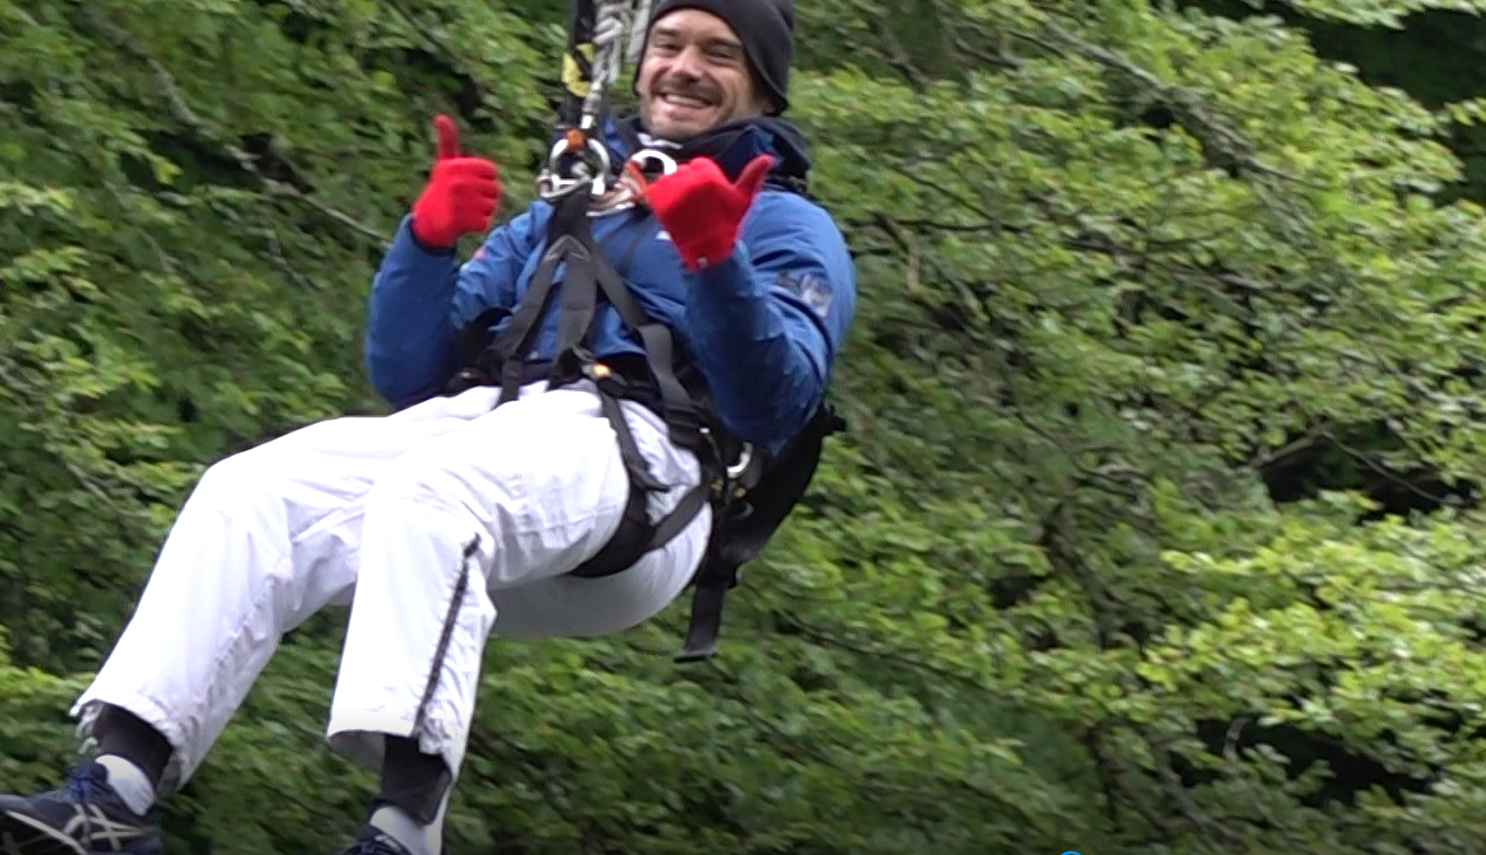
765	27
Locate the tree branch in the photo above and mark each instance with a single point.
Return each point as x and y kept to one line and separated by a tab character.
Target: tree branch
182	112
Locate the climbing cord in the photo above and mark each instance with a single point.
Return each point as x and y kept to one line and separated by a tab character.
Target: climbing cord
601	37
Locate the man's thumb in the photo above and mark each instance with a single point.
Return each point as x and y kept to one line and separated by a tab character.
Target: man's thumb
448	137
754	174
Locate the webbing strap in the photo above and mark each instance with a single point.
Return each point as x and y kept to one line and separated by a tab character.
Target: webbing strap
747	528
640	475
705	624
629	546
512	343
516	339
743	527
588	273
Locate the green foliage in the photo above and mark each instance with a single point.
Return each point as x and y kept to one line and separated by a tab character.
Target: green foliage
1129	274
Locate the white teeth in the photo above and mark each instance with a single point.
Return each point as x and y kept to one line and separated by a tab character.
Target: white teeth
683	100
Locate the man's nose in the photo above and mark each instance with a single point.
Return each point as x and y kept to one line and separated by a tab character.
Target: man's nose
688	64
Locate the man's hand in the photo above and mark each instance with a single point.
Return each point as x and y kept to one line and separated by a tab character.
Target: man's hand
461	195
702	210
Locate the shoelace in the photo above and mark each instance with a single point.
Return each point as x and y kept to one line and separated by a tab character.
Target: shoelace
82	782
83	786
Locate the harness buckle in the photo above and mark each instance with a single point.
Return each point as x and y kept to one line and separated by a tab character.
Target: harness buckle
466	379
684	422
610	382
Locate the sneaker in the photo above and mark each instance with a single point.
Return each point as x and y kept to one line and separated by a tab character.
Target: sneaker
84	817
371	841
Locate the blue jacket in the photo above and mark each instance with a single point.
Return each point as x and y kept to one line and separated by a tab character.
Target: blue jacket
763	327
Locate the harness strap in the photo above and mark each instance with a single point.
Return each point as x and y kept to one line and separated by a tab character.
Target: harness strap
749	524
588	276
747	507
591	269
512	343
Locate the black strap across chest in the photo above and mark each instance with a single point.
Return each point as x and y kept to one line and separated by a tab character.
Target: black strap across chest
747	506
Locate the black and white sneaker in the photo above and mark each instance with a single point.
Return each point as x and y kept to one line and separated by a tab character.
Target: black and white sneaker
374	841
84	817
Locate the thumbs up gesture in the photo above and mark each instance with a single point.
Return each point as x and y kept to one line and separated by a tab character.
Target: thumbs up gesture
702	210
460	197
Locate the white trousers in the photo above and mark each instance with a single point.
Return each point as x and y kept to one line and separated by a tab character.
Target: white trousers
438	525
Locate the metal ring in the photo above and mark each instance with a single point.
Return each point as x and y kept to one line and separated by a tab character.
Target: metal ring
744	458
601	175
641	157
556	184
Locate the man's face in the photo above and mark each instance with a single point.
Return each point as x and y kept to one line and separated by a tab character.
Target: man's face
694	76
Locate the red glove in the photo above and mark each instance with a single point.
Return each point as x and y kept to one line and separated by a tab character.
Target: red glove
702	210
461	194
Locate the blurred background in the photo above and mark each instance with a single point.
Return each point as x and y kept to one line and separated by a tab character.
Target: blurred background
1155	529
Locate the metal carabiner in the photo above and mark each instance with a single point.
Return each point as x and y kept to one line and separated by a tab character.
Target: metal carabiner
745	457
642	160
666	163
552	184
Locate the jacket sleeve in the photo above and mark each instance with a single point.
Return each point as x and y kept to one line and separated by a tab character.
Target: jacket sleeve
766	323
420	298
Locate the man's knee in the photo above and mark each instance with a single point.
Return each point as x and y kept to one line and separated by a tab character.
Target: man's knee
431	480
249	483
264	481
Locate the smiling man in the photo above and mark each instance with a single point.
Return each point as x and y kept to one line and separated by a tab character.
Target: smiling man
710	63
482	506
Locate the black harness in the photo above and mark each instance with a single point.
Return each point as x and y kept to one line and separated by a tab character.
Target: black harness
750	493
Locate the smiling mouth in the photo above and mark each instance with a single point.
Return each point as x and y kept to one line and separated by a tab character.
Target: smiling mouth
688	101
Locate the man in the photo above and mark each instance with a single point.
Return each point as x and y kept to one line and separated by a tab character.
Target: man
455	517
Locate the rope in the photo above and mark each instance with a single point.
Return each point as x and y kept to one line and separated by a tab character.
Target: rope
637	29
608	28
616	21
